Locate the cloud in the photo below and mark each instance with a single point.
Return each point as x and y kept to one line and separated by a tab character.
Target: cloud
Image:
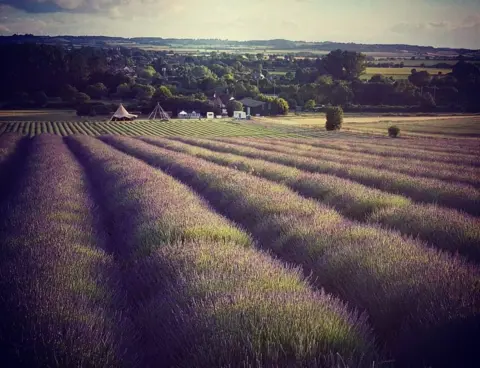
4	30
54	6
461	34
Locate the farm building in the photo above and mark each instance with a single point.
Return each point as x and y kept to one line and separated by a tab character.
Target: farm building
255	107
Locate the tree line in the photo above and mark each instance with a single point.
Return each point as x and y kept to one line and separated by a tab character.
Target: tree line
36	75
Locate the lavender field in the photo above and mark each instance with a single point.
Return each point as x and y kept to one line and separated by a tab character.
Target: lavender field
143	251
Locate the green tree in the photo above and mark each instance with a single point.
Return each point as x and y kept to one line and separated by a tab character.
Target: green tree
162	93
124	90
420	79
143	91
345	64
341	93
82	98
234	105
280	106
147	73
97	90
309	105
334	118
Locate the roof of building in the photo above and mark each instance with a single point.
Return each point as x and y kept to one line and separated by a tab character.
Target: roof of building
250	102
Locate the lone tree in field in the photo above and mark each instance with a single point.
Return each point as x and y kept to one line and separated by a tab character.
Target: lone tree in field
393	131
334	118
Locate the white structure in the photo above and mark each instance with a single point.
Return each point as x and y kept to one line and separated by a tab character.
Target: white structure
219	116
122	114
194	115
158	113
182	115
239	115
210	115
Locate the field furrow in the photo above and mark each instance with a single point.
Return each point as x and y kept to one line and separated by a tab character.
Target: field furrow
458	196
198	290
448	172
56	304
442	228
408	290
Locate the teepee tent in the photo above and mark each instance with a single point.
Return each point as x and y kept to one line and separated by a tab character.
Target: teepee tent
158	113
122	114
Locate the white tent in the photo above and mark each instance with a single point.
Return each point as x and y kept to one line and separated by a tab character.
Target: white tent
182	114
122	114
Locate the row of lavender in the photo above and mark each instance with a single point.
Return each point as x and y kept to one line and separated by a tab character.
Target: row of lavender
108	262
458	169
427	190
410	292
440	227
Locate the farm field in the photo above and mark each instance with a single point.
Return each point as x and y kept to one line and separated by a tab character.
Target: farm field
176	127
234	245
400	73
461	127
395	73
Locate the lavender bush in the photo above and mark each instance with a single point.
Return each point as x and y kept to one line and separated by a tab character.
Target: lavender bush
409	291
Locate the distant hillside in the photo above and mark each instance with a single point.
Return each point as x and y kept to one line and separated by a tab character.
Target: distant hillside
278	44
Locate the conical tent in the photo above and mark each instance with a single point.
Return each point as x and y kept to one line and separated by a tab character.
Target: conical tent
122	114
158	113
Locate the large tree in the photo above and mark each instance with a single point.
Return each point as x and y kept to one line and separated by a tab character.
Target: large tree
345	64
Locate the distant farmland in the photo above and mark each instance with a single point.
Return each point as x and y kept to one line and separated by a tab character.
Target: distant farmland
215	244
396	73
401	73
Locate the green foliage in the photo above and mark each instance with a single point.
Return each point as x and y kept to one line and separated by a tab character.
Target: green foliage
334	118
345	64
280	106
234	105
143	91
97	90
393	131
309	105
162	93
124	90
69	93
147	72
420	79
82	98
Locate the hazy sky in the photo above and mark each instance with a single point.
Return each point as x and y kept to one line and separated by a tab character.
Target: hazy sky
450	23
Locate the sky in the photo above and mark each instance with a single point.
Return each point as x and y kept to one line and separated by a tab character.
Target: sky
439	23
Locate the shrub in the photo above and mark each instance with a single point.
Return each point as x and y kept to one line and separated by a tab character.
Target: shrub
279	106
309	105
334	118
234	106
393	131
82	98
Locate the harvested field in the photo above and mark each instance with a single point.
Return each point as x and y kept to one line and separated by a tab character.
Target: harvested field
214	244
